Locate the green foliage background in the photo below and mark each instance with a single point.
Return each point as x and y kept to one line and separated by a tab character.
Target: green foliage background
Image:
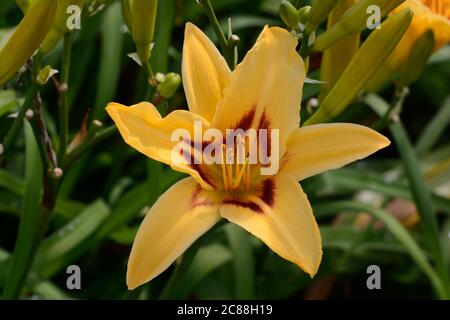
105	194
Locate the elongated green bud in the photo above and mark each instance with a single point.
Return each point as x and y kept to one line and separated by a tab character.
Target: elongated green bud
289	14
143	15
303	14
169	85
377	48
417	59
27	37
319	12
355	20
66	8
338	56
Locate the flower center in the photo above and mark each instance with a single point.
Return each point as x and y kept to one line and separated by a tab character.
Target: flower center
235	167
441	7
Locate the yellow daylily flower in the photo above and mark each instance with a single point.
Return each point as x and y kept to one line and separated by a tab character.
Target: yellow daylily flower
431	15
263	92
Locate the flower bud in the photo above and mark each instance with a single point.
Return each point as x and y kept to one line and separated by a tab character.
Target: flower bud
59	27
303	14
338	56
319	12
417	59
143	15
27	37
170	85
289	14
377	48
354	21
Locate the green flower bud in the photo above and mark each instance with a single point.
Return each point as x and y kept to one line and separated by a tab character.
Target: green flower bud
45	74
170	85
375	50
143	15
319	12
303	14
59	27
417	59
353	21
289	14
27	37
337	57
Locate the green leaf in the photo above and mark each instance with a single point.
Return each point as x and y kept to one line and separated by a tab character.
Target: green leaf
243	261
396	228
110	59
23	251
63	246
434	129
206	260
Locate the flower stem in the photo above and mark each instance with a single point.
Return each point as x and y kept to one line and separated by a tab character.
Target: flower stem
12	132
29	100
87	145
63	98
226	46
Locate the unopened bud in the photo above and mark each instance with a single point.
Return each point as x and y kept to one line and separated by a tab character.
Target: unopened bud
170	85
303	14
289	14
319	12
160	77
353	21
417	59
27	37
143	16
367	60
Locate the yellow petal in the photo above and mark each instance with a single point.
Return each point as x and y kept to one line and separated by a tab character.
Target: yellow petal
281	216
265	89
424	19
205	72
179	217
318	148
142	127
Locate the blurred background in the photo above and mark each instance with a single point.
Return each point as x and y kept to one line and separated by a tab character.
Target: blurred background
107	191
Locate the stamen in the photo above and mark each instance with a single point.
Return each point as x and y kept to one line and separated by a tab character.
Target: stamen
241	174
224	171
230	166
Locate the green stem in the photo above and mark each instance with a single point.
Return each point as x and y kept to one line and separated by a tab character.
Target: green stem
151	81
422	197
29	100
63	102
86	145
14	129
395	109
227	49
